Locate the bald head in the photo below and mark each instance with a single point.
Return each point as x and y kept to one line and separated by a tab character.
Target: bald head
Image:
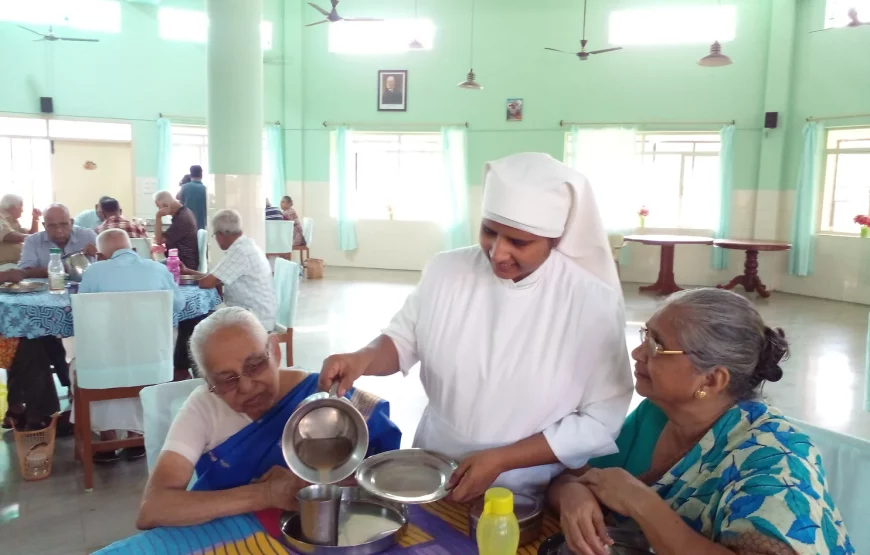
112	240
56	213
58	224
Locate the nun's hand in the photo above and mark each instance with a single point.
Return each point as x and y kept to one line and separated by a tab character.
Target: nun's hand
475	475
344	369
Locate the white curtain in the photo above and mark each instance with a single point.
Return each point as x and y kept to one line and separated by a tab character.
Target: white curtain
607	157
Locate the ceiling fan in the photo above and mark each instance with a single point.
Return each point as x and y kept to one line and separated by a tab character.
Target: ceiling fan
853	22
583	55
333	17
51	37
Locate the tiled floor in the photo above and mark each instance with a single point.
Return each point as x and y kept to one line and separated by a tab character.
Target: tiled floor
823	383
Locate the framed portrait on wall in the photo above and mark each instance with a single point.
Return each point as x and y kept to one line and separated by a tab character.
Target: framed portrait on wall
392	90
514	109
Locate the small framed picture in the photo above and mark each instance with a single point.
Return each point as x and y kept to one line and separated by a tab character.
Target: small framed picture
514	109
392	90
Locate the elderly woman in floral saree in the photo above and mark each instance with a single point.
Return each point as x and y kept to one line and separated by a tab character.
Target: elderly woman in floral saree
229	432
704	467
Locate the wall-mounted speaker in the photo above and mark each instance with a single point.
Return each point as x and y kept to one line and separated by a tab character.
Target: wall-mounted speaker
46	105
771	119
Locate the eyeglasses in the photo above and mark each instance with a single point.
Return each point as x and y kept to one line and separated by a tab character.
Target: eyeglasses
654	348
251	370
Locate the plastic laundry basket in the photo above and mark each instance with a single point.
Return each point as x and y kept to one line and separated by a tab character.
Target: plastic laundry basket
36	451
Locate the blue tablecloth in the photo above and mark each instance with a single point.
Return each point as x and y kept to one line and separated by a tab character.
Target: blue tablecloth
33	315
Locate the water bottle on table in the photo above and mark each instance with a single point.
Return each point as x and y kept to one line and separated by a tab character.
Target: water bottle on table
174	265
56	273
498	532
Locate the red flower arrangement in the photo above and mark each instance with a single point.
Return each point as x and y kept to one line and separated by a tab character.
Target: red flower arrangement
644	212
862	220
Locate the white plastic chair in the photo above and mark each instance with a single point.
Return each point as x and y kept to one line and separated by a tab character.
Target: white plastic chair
279	238
846	460
160	405
116	361
308	230
202	243
287	294
142	246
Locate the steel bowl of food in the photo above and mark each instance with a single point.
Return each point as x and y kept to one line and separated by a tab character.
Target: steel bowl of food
626	542
75	265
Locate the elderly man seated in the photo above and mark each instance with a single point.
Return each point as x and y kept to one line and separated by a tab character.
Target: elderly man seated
12	235
60	232
112	219
229	432
244	273
122	270
181	233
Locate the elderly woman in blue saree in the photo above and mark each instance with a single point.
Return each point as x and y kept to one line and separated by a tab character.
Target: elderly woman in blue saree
229	432
704	467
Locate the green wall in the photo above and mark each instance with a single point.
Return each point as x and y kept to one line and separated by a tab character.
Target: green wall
135	75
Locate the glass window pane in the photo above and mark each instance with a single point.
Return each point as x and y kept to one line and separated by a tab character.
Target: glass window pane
23	127
90	15
192	26
700	202
851	192
673	25
661	189
380	37
94	130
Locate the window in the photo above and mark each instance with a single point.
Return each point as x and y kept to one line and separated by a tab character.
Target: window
396	176
673	25
192	26
87	15
837	12
847	179
25	170
190	148
380	37
93	130
676	177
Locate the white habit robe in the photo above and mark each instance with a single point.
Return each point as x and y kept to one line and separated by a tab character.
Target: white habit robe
503	361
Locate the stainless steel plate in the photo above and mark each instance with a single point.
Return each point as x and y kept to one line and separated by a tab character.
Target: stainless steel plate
407	475
23	287
367	525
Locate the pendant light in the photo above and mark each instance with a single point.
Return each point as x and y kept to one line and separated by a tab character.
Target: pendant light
715	58
469	82
415	44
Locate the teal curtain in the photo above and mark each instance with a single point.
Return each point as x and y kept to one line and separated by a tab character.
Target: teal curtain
453	148
164	154
344	190
726	194
275	160
800	261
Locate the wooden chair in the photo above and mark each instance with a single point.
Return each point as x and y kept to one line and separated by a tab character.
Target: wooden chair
115	361
286	281
308	235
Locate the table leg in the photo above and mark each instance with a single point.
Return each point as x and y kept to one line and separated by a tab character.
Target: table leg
665	284
750	280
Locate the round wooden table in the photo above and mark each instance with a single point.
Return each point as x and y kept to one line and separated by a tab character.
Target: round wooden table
665	284
749	279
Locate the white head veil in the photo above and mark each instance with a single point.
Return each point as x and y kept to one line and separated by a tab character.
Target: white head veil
533	192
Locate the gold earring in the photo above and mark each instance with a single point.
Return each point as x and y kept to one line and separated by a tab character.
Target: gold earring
700	394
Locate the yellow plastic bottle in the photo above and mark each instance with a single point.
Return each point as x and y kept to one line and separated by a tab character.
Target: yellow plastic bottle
498	532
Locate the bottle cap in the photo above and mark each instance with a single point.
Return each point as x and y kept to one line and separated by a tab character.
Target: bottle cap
173	252
54	250
498	502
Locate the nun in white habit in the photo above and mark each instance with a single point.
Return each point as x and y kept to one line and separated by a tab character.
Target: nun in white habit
520	338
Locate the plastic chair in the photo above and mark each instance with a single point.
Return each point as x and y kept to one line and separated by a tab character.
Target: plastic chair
287	294
160	405
116	361
846	460
308	235
142	247
617	242
202	243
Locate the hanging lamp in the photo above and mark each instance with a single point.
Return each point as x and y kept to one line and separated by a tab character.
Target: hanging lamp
715	58
469	82
415	44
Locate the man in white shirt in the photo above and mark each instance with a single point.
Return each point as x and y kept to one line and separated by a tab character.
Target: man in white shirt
244	274
521	338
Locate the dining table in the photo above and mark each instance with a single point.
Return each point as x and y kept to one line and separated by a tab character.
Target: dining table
46	314
749	279
665	284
